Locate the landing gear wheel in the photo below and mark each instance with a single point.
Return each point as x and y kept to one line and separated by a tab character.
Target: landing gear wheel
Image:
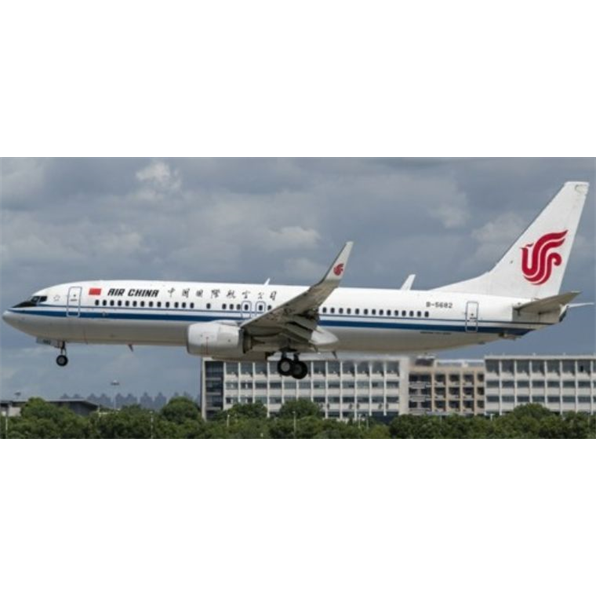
299	370
285	367
62	360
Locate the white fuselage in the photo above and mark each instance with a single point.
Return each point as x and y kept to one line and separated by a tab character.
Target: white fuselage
363	320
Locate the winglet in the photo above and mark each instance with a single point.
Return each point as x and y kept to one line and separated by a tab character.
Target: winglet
408	283
338	268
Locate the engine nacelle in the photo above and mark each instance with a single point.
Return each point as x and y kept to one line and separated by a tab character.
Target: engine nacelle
215	340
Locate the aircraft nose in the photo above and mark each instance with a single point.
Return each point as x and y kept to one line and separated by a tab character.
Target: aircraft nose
8	317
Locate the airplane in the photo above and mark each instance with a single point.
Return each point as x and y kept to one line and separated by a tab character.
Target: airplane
252	322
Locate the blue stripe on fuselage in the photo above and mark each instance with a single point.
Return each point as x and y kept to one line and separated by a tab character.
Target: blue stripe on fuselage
430	325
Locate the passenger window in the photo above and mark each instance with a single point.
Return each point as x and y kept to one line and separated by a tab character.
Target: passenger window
366	311
192	305
183	305
388	313
374	311
324	310
332	310
404	313
246	307
158	304
357	311
237	307
269	307
341	311
208	305
349	311
418	314
381	312
134	303
104	302
167	305
150	304
427	314
97	303
119	302
411	313
111	303
142	303
127	303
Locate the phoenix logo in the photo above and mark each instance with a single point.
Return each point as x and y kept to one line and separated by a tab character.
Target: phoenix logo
539	258
338	269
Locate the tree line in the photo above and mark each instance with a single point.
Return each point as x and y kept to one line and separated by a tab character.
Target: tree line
301	419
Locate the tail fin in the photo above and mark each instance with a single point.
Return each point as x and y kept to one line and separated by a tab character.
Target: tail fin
535	265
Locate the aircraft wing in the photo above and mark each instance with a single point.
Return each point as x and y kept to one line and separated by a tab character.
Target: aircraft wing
297	319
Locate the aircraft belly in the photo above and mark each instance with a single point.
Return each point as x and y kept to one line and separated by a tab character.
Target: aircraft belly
405	341
136	332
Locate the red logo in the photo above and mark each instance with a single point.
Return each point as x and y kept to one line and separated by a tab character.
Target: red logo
94	291
338	269
538	262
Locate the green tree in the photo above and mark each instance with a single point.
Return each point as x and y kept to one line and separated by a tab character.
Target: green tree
416	427
43	420
300	408
256	411
377	431
180	410
131	422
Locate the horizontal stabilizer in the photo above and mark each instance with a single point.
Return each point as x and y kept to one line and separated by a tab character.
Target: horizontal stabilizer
553	303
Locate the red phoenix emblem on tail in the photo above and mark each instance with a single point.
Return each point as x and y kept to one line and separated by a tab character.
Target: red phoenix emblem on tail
538	259
338	269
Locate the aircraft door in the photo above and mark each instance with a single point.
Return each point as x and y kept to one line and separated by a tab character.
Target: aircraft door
472	317
73	302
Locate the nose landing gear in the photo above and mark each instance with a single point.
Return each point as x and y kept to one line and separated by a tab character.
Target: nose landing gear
292	368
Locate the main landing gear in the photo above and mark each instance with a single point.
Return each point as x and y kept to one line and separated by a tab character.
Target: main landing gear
292	368
62	360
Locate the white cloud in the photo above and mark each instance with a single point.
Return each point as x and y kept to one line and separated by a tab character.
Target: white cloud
292	237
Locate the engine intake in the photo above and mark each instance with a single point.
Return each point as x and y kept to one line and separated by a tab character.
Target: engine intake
216	340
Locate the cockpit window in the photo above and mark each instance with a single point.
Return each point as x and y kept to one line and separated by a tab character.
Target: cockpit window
33	301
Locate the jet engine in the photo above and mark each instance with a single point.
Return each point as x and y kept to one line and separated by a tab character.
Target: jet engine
216	340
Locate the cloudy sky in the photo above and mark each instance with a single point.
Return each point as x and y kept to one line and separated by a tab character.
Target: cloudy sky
244	220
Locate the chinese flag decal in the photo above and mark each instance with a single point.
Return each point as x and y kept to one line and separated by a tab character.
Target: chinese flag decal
94	291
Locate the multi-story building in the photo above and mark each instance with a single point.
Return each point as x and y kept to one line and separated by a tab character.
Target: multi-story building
559	383
343	389
388	386
444	387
